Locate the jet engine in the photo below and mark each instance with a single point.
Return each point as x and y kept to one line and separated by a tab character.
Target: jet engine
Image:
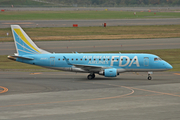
109	72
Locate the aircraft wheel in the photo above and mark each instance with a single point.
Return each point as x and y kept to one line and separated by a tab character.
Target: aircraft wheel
91	76
149	77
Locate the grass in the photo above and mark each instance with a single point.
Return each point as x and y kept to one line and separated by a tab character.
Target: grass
97	33
65	15
172	56
20	2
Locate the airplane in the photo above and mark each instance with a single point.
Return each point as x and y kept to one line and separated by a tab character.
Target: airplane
106	64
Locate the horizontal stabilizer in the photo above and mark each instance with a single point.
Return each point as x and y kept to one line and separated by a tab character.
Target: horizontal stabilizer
14	57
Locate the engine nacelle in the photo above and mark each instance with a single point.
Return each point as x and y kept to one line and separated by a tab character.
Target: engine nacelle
109	72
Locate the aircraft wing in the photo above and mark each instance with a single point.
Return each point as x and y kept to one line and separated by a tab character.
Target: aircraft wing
88	68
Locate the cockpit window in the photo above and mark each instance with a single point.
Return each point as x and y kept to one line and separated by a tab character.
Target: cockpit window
157	59
160	59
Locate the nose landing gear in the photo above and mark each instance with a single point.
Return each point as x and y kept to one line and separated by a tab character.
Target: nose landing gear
149	75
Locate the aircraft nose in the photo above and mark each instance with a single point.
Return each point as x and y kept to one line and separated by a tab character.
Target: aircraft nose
168	66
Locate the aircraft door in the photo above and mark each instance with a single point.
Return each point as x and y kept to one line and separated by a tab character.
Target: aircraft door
52	61
146	61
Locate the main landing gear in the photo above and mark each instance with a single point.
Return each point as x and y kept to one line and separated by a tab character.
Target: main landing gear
149	75
91	76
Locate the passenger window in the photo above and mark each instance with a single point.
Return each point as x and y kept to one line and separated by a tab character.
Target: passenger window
94	59
59	59
81	59
99	59
85	59
72	59
104	59
76	59
90	59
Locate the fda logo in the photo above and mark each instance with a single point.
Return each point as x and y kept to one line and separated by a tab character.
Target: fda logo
127	62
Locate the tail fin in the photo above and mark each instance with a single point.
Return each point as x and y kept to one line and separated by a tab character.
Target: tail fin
24	44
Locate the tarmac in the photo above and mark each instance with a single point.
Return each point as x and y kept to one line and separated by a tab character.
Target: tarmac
8	48
70	96
89	23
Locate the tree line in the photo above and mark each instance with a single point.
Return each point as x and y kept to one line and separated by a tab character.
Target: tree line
117	2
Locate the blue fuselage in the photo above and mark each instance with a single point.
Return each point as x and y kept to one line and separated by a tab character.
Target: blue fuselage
122	62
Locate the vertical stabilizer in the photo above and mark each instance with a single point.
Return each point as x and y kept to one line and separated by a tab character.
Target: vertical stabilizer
24	44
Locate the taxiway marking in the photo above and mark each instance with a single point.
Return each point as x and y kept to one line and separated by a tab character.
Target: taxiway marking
103	98
4	89
177	73
133	88
156	92
35	73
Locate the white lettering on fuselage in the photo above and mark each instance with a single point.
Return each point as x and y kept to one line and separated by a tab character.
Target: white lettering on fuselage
105	60
97	59
113	59
127	61
136	61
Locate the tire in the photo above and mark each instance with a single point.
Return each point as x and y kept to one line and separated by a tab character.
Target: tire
89	77
149	77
